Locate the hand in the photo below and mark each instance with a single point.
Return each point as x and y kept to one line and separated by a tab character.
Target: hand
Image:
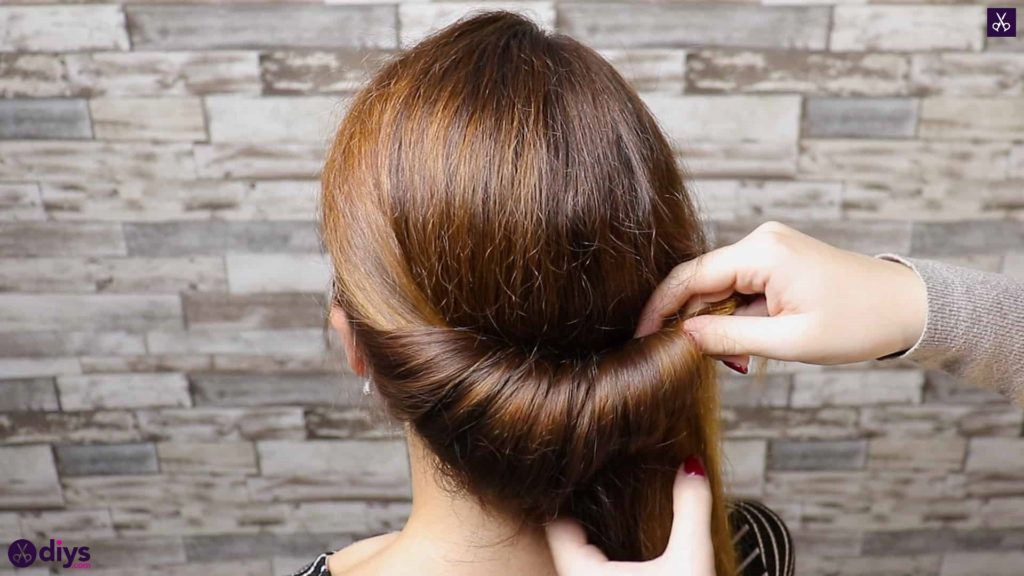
817	304
689	552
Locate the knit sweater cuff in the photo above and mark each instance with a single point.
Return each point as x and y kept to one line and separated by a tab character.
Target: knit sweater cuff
972	328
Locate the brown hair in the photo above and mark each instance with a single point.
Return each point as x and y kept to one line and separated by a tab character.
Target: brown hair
498	204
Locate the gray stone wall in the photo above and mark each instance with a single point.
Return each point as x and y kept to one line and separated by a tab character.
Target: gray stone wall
168	397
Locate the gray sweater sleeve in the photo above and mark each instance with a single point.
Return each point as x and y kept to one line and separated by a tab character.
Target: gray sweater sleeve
974	328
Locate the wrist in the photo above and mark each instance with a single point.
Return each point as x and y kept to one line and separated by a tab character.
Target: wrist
916	299
910	302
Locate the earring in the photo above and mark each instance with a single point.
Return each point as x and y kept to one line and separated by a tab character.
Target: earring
366	387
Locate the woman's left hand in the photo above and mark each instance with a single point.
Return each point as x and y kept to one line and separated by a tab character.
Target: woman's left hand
689	553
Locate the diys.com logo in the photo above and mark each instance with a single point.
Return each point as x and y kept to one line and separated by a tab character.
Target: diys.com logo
23	553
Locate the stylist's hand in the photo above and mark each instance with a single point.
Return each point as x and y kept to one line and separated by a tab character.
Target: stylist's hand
689	552
820	304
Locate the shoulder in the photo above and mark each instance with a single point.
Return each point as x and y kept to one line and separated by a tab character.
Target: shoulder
351	556
348	558
763	543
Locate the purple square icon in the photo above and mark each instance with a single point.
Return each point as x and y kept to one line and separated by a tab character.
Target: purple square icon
1002	23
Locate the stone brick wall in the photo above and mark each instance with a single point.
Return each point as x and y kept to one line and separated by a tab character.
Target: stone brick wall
169	399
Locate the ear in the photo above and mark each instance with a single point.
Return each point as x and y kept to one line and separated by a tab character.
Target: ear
356	361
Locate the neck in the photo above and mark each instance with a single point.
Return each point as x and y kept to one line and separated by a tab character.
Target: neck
452	534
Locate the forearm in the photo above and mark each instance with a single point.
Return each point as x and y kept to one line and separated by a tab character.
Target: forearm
974	328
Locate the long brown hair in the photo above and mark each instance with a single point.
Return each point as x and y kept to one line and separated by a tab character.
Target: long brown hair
498	204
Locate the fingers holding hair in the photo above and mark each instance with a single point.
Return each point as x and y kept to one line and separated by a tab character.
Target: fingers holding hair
690	538
707	278
690	547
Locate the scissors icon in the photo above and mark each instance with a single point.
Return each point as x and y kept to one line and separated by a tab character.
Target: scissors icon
21	553
1001	26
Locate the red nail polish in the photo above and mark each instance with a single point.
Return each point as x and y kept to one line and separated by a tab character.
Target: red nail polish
736	367
692	466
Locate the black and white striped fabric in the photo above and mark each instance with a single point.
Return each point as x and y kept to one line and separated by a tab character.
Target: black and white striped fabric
317	567
763	544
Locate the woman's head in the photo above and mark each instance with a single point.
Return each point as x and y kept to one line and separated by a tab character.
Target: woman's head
498	204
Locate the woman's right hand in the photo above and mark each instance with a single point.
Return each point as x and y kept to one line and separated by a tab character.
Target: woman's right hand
820	304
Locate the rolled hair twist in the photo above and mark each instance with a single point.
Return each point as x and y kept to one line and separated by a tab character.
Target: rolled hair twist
498	204
496	416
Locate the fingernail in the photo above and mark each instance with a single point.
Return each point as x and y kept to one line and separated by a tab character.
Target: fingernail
736	367
692	466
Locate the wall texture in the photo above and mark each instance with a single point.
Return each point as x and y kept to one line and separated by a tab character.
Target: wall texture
168	397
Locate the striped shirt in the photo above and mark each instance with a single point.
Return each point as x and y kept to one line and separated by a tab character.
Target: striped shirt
763	543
